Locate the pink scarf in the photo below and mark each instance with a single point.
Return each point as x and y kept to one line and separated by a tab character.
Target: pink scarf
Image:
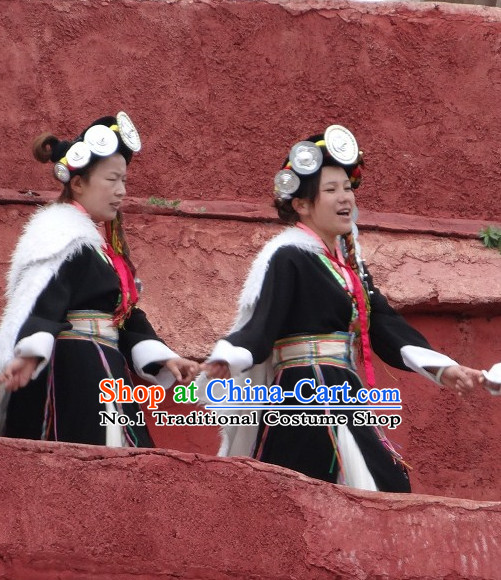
355	286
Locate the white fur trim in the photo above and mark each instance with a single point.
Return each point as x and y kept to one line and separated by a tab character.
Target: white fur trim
39	344
114	433
237	357
355	469
153	351
238	440
417	357
53	234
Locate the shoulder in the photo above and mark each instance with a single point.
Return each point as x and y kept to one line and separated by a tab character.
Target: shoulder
55	229
289	244
292	238
284	250
290	255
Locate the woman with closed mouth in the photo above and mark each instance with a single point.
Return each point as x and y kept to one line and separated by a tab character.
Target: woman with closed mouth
308	300
72	318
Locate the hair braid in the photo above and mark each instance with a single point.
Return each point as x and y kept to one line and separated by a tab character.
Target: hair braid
356	265
116	238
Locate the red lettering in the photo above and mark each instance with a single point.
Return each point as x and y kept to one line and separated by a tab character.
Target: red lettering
124	392
157	395
106	386
137	394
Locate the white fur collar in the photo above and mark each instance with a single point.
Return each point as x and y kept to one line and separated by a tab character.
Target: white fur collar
252	288
51	236
53	230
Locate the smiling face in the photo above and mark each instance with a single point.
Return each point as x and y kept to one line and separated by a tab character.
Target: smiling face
330	214
102	191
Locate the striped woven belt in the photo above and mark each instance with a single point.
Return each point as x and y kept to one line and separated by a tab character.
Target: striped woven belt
91	325
333	349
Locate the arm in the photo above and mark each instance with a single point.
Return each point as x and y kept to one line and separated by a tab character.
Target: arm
399	344
253	343
35	339
149	356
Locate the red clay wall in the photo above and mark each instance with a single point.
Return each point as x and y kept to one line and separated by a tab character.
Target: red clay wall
95	513
220	90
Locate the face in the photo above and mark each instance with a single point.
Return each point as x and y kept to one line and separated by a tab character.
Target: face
102	192
330	215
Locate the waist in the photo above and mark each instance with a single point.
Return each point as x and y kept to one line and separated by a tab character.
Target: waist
335	349
91	325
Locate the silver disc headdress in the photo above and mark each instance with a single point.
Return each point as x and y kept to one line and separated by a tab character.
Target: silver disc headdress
105	137
306	158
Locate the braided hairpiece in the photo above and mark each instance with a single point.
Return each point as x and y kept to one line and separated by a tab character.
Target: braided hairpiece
352	254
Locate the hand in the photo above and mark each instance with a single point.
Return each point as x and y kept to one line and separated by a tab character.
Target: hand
183	369
460	379
493	388
491	380
217	370
17	373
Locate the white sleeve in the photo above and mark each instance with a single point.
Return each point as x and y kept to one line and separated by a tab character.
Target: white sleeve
494	376
238	358
39	345
153	351
417	357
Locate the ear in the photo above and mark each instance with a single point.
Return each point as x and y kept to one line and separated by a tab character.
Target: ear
76	185
301	206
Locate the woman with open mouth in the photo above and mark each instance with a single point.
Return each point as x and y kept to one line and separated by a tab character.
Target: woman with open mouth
72	319
308	300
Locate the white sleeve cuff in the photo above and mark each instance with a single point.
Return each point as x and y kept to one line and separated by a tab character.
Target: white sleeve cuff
153	351
238	358
164	378
39	344
494	376
416	358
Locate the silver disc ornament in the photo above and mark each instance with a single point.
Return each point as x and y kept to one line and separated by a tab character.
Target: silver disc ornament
62	172
286	183
341	144
128	132
306	157
78	155
101	140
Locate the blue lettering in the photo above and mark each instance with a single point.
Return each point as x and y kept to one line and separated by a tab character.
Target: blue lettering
210	395
299	395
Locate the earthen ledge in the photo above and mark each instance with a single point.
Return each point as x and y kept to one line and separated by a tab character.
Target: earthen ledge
78	511
262	212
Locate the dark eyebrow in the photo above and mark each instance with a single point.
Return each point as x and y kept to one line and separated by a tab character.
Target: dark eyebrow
335	182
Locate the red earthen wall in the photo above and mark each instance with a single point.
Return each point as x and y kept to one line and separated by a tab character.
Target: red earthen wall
96	513
220	90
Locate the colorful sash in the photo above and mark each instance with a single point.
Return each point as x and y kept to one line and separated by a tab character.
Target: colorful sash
335	349
101	330
353	286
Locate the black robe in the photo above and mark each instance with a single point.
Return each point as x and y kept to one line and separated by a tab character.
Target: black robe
84	282
300	296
